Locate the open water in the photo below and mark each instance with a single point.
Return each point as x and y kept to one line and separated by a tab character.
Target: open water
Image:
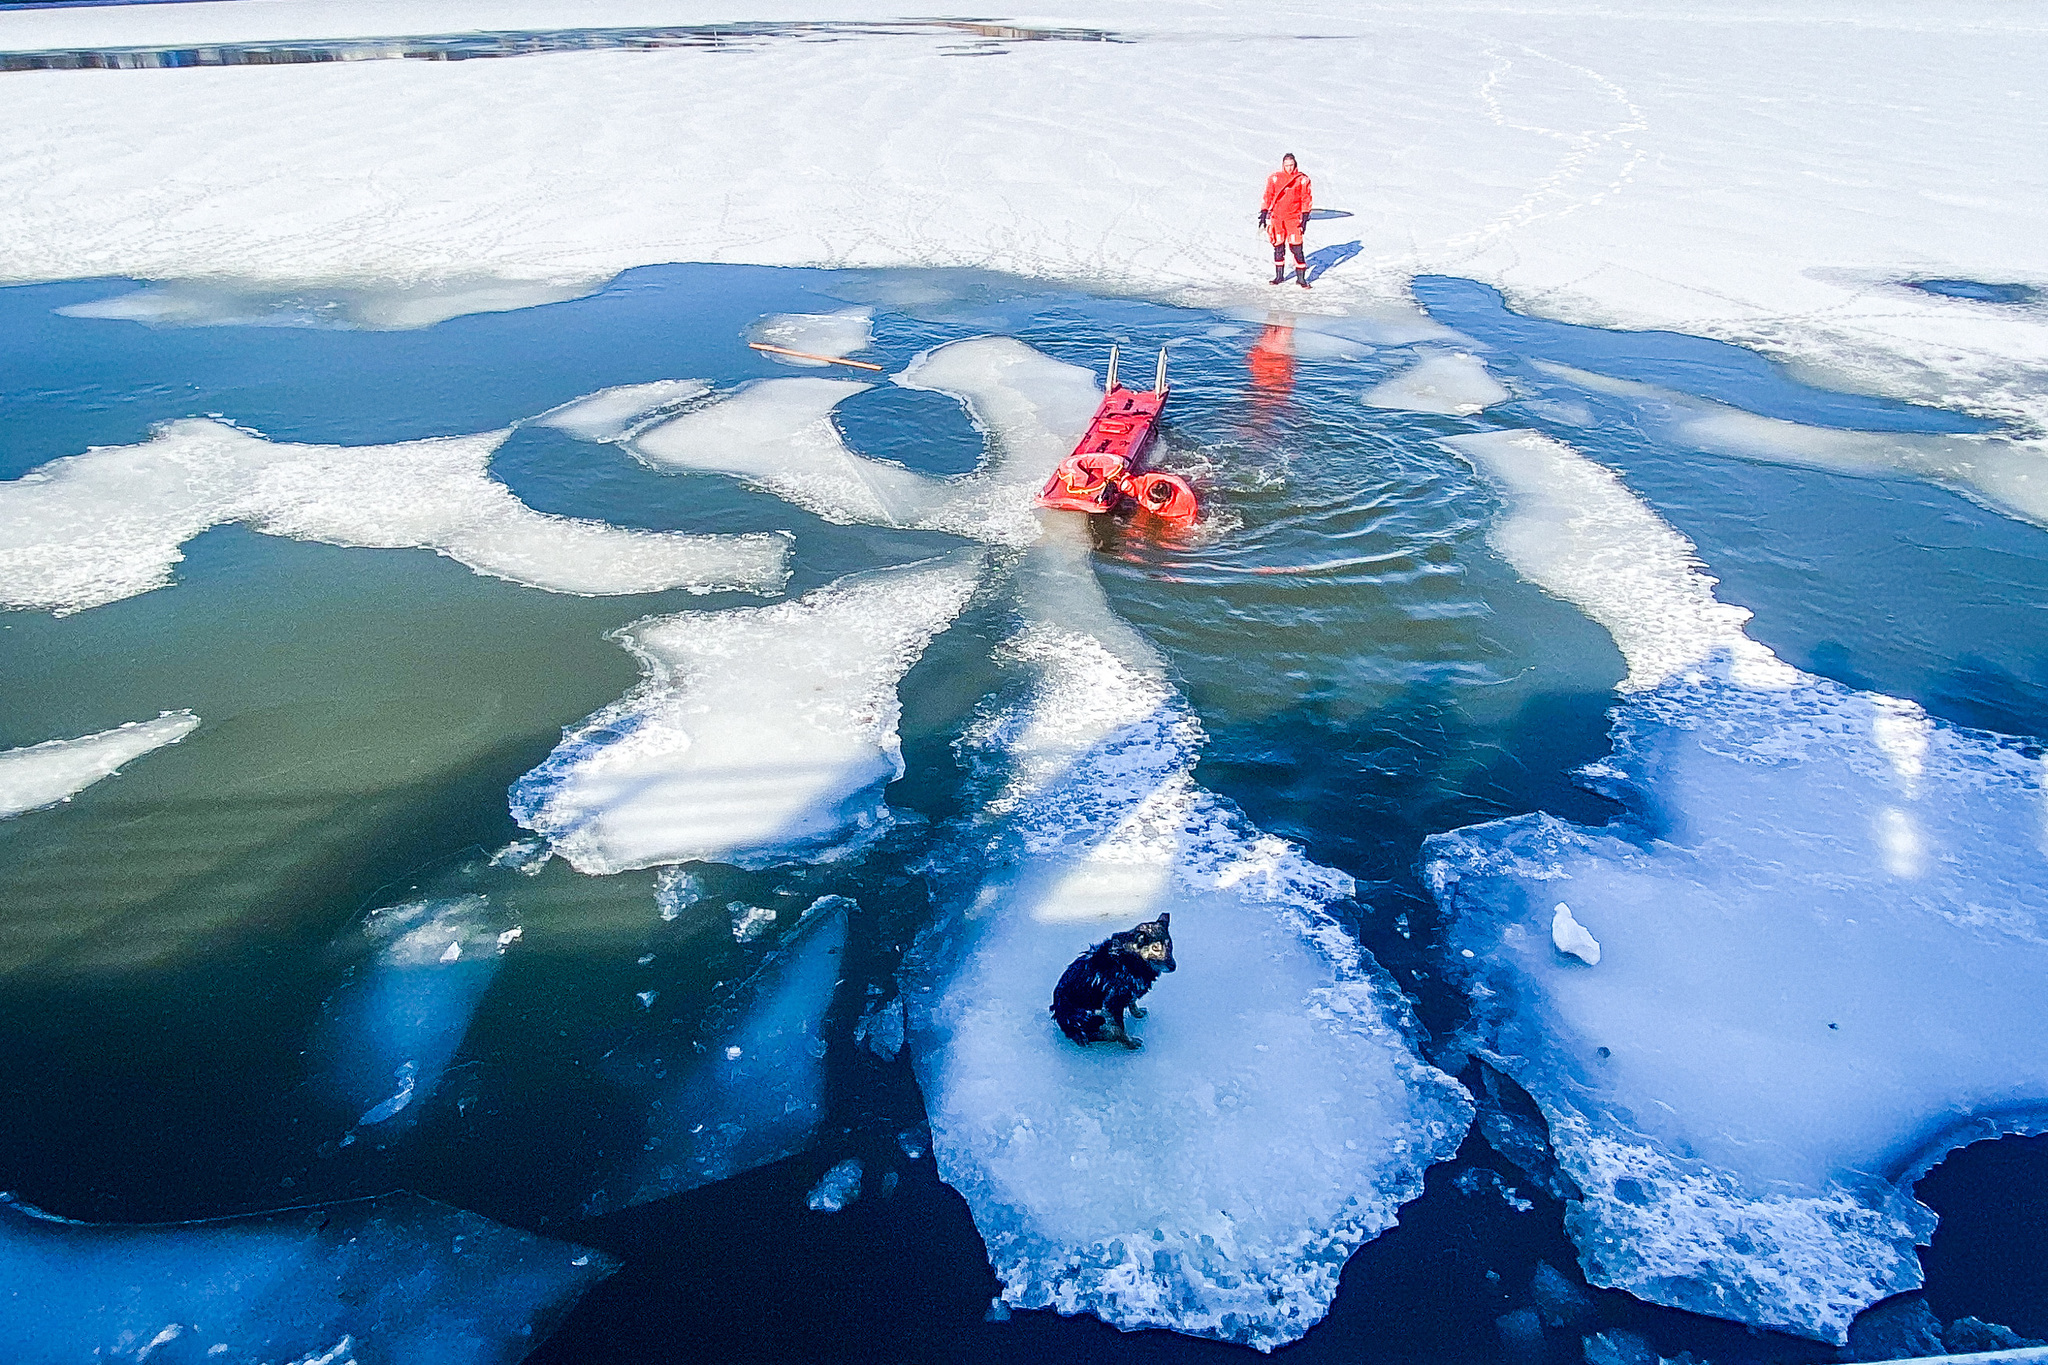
1369	672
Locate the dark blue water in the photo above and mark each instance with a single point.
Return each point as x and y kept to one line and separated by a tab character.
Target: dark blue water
1368	671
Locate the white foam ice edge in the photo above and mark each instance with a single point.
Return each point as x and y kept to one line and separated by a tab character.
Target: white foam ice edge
1148	1188
1453	383
778	435
90	529
1822	921
758	735
53	772
2003	473
392	1278
837	335
614	413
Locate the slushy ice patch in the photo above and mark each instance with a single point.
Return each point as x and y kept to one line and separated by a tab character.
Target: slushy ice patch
389	1032
758	736
378	1281
94	528
1821	933
611	414
1277	1117
750	1089
828	334
779	435
2005	475
1455	384
53	772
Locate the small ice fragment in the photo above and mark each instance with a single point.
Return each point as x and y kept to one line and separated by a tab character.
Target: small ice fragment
454	951
1469	953
749	922
732	1054
998	1311
675	891
837	1188
51	773
821	334
527	856
646	958
911	1143
1571	937
408	1077
1456	384
880	1029
646	998
510	937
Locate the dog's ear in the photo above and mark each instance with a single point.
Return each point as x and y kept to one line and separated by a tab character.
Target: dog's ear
1163	918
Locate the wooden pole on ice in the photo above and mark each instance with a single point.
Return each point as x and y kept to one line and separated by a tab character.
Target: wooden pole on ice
806	355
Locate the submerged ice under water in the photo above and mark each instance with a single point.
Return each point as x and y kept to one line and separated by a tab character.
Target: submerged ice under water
994	747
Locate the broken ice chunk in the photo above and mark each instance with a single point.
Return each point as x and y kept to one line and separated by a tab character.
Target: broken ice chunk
1567	935
55	771
398	1278
1456	384
759	735
837	1188
828	334
612	414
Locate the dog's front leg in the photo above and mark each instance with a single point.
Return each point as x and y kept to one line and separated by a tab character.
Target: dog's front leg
1137	1010
1123	1035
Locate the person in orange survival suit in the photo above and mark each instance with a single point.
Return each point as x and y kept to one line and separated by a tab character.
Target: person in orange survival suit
1282	213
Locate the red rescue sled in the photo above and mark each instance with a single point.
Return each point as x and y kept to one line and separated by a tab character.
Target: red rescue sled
1106	472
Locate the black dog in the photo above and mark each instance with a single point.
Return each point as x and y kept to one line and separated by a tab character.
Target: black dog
1104	982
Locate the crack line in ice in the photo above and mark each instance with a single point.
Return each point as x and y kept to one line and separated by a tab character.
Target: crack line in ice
91	529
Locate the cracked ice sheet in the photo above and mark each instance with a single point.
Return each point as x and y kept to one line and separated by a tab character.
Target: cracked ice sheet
1683	166
94	528
55	771
1155	1188
397	1278
758	735
778	434
1823	923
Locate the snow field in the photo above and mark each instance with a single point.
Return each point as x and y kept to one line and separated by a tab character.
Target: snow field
52	772
94	528
1680	166
1818	928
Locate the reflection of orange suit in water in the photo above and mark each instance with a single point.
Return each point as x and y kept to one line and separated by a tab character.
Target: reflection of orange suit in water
1272	365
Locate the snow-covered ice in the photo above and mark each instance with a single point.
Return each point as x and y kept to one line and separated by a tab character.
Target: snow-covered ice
2008	475
398	1278
90	529
778	434
347	304
758	735
821	334
1821	924
1278	1115
389	1033
1674	165
56	770
753	1092
1454	383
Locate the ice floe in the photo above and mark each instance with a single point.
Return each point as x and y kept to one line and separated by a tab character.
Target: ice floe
1278	1115
750	1090
759	735
821	334
1456	384
352	305
391	1030
397	1278
778	434
610	414
94	528
1821	926
53	772
2008	475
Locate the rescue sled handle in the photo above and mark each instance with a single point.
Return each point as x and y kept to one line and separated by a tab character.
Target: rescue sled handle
1158	378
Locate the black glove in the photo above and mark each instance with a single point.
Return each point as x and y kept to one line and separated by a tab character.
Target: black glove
1263	216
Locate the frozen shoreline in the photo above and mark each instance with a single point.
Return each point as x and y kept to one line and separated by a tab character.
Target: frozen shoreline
1682	169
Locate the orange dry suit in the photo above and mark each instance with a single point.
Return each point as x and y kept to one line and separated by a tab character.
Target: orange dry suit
1287	202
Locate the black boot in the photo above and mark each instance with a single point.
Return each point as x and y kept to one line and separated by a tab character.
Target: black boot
1300	276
